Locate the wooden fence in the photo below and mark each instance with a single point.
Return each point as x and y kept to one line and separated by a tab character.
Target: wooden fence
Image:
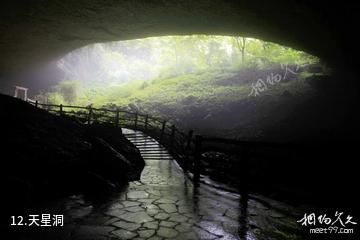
181	145
185	147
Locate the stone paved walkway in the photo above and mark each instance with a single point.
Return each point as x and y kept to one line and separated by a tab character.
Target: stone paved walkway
165	205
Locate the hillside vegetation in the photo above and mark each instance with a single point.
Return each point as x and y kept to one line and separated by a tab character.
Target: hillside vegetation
211	84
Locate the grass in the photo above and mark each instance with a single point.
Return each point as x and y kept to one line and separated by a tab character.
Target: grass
201	86
198	94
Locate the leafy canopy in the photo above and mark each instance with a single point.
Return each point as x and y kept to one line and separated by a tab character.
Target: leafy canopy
128	71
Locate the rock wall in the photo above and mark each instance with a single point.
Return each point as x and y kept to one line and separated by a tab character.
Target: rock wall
45	156
36	31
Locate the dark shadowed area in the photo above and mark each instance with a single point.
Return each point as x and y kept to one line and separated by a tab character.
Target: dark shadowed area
182	119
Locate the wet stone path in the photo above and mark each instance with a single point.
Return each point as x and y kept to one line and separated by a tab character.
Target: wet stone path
164	204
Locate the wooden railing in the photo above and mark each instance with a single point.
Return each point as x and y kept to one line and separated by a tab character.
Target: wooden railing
181	145
185	147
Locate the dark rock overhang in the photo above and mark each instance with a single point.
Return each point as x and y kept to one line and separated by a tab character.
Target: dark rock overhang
36	31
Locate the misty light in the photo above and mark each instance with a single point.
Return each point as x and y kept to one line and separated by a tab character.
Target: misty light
115	63
169	69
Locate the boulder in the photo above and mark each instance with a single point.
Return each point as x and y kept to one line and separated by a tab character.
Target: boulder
45	156
114	137
107	162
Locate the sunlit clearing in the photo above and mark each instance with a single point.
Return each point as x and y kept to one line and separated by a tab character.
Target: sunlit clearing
143	59
174	72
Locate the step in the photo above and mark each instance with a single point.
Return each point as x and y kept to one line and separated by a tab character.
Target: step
159	159
154	151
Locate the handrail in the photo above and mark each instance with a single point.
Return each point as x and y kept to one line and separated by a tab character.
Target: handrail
186	148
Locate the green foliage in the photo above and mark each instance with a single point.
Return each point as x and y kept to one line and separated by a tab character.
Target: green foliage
55	98
64	92
169	91
171	72
68	90
144	85
163	57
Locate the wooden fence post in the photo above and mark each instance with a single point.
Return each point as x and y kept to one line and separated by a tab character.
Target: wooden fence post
89	115
197	158
146	120
244	158
36	103
162	131
172	138
117	118
188	149
136	120
61	109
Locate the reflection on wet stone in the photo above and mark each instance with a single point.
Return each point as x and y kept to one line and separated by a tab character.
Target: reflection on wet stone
202	234
137	194
169	208
166	205
151	225
178	218
167	224
146	233
124	234
184	227
167	232
162	216
130	204
137	217
127	225
134	209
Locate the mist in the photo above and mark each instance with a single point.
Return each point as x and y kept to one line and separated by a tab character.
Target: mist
116	63
197	81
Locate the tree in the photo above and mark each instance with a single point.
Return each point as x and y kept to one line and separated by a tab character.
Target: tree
68	90
241	45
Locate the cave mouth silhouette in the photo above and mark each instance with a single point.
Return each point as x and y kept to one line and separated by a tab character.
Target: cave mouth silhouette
148	58
195	76
36	33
